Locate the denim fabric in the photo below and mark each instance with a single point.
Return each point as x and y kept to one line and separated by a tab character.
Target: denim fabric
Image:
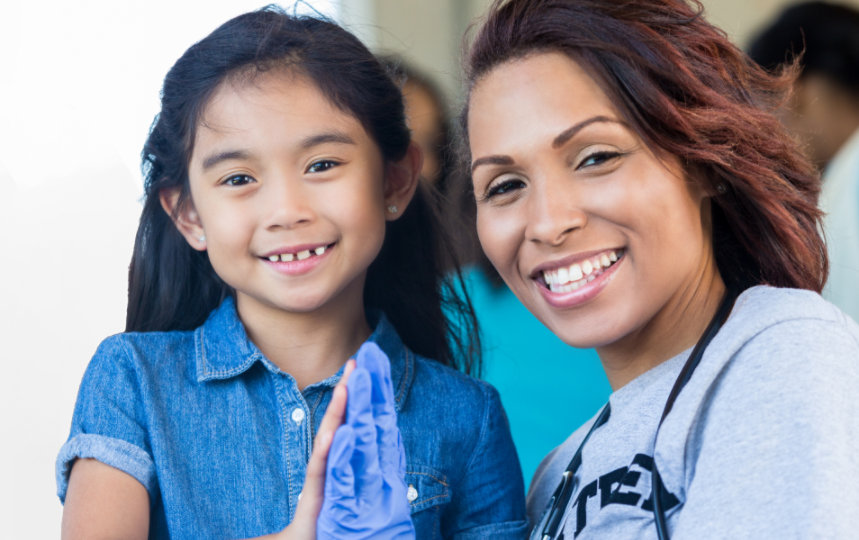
220	437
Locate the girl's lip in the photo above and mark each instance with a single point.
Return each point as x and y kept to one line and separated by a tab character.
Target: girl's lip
301	262
296	249
583	293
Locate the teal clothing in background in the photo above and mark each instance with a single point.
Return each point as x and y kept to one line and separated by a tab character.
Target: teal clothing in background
547	387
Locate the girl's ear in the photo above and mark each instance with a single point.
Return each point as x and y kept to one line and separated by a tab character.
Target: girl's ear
184	217
401	181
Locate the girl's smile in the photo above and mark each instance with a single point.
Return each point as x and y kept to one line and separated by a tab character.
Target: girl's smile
289	192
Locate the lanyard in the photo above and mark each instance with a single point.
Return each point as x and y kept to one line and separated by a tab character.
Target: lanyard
563	493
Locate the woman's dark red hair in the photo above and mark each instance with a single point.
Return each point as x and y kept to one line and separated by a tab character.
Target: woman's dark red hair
687	90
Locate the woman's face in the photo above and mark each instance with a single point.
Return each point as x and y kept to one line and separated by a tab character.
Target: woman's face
605	242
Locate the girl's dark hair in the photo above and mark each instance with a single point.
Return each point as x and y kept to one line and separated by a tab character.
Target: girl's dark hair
687	90
173	287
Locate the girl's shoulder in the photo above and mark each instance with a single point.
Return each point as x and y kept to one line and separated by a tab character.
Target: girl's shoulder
433	377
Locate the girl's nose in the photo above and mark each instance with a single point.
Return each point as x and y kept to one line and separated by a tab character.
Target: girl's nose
287	204
553	212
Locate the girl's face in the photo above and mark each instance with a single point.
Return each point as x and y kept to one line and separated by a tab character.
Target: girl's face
290	195
606	243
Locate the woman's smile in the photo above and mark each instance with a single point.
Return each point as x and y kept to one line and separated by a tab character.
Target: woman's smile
604	239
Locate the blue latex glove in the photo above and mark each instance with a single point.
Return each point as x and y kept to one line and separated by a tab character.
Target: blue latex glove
365	488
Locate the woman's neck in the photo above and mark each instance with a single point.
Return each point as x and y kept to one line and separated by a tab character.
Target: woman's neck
309	346
675	328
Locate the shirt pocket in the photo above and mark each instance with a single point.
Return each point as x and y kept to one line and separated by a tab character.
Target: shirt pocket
426	487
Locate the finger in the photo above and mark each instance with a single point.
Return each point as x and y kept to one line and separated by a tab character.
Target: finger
311	497
334	416
340	478
375	361
359	415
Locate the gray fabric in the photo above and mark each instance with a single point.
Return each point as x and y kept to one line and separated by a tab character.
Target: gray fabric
763	442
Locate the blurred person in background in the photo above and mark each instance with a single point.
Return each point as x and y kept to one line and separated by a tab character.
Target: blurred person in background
823	113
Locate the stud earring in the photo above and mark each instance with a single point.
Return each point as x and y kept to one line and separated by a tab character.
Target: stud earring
721	188
202	238
392	209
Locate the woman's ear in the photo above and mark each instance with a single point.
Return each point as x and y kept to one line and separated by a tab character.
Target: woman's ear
401	181
184	217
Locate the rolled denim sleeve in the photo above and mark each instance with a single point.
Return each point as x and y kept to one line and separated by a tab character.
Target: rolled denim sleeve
492	484
108	423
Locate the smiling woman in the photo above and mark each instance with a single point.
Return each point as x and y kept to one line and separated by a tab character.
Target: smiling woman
637	195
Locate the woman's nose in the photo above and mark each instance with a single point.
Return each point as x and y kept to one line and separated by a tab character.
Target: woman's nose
553	212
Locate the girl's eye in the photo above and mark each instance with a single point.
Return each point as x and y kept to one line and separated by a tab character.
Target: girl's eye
503	187
237	180
321	166
598	158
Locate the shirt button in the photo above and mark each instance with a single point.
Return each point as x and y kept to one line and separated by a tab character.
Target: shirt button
412	493
298	415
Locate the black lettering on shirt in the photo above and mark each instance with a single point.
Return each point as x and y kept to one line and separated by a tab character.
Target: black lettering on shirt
587	492
610	485
618	477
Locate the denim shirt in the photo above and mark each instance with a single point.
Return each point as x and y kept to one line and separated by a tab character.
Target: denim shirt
220	436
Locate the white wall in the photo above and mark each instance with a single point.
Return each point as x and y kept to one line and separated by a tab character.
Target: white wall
79	85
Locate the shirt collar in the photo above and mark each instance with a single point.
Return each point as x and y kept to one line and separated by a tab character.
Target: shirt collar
223	350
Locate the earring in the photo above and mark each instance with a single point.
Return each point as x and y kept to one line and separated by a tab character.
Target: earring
392	209
202	238
721	188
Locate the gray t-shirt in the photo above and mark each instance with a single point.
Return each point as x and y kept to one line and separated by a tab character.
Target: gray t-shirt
763	442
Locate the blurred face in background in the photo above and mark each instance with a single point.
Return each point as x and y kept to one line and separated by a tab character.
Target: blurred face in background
425	120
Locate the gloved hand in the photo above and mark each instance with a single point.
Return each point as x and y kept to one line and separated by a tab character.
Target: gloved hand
365	488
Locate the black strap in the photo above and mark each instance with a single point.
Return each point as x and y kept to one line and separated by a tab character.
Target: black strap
685	374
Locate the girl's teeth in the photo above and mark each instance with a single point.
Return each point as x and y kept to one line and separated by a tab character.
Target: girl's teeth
612	256
604	260
301	255
575	273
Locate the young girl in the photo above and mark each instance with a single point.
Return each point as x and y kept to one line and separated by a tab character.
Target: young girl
275	239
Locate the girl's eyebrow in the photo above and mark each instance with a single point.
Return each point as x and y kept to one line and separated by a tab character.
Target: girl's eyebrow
322	138
309	142
227	155
557	142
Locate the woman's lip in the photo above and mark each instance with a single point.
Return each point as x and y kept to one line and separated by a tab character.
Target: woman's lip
584	293
576	258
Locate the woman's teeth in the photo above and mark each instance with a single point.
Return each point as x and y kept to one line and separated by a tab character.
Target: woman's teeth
299	256
570	278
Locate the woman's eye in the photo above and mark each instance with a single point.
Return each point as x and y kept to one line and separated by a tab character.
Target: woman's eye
598	158
505	186
238	180
322	166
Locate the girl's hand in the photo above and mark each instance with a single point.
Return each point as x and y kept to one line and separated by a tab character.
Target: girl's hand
303	525
365	489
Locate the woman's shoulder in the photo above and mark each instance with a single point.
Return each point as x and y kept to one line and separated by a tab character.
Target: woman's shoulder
771	316
767	306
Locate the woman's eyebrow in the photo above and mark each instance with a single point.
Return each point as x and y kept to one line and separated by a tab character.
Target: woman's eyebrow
557	142
571	131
